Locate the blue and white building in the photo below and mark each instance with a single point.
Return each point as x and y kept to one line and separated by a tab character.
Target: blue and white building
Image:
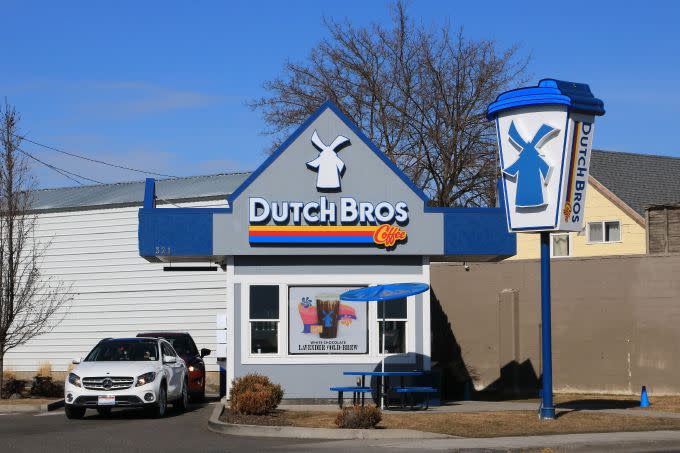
324	213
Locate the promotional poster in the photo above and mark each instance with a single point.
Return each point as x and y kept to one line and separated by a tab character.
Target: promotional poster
322	324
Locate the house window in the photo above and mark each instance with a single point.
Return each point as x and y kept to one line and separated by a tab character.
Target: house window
264	319
394	326
601	232
560	245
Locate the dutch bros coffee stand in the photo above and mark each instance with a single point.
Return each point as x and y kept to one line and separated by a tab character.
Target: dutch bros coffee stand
545	138
327	212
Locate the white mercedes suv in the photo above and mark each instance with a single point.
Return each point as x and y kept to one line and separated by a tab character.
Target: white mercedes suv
127	372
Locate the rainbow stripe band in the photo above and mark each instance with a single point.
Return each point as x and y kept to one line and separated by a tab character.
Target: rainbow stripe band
311	234
572	171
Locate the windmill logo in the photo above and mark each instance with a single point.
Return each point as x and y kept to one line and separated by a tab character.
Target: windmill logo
530	169
328	165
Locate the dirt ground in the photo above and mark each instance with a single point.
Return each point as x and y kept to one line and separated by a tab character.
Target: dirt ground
496	424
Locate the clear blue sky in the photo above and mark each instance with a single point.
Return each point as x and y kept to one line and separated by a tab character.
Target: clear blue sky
163	85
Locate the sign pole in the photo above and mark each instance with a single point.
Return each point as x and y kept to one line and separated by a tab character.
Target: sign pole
531	143
547	408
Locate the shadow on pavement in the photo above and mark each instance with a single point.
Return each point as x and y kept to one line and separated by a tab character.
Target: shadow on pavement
598	404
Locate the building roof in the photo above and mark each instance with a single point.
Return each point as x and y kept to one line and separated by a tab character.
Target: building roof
132	193
639	180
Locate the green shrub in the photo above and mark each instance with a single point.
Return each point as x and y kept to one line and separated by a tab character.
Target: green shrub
358	417
254	394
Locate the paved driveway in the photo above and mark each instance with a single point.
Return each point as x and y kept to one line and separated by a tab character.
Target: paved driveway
126	431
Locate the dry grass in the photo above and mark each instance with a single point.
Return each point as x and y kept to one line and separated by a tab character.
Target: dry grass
8	374
664	403
44	369
496	424
606	401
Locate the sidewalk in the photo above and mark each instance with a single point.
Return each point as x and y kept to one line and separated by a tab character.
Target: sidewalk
619	442
30	405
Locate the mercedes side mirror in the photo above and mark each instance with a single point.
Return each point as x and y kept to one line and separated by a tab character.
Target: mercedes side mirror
169	359
76	361
205	352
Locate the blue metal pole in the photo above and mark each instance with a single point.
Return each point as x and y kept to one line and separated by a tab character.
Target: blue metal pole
547	409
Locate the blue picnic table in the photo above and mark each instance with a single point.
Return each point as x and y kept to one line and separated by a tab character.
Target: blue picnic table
359	391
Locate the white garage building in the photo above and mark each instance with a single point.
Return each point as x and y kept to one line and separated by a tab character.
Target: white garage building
94	247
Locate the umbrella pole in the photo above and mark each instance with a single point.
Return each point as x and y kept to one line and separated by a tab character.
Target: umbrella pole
382	395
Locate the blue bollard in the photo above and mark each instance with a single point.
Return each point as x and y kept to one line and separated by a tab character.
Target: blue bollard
644	400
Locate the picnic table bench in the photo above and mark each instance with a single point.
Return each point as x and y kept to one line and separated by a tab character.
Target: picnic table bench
410	391
356	391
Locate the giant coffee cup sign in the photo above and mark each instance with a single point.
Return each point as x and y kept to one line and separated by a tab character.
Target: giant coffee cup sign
545	136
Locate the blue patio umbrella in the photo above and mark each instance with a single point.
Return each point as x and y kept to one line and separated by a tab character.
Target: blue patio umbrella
384	293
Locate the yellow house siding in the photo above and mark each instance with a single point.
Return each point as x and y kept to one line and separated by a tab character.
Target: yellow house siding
598	208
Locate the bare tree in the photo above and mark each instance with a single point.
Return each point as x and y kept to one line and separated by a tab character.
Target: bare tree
419	95
29	302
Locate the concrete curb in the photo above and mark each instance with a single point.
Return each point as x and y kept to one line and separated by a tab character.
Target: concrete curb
31	407
294	432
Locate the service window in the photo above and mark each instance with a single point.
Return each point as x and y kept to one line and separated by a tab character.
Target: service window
264	319
395	325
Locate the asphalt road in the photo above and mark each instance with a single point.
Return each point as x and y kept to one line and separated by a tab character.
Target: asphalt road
131	431
127	431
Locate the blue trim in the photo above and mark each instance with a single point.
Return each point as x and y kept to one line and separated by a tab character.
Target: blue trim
325	106
175	232
150	193
576	97
309	240
479	233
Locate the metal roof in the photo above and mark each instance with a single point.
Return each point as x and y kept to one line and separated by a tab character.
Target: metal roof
132	193
639	180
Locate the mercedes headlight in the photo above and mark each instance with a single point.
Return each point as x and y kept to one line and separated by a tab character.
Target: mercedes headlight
74	379
145	378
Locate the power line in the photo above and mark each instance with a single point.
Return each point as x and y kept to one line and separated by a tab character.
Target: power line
94	160
68	174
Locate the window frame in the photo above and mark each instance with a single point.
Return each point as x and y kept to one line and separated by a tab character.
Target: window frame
603	223
250	321
405	320
570	244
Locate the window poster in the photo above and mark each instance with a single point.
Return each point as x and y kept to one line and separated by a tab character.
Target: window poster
320	323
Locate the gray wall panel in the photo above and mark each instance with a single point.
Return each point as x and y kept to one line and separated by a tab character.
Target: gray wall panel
367	178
